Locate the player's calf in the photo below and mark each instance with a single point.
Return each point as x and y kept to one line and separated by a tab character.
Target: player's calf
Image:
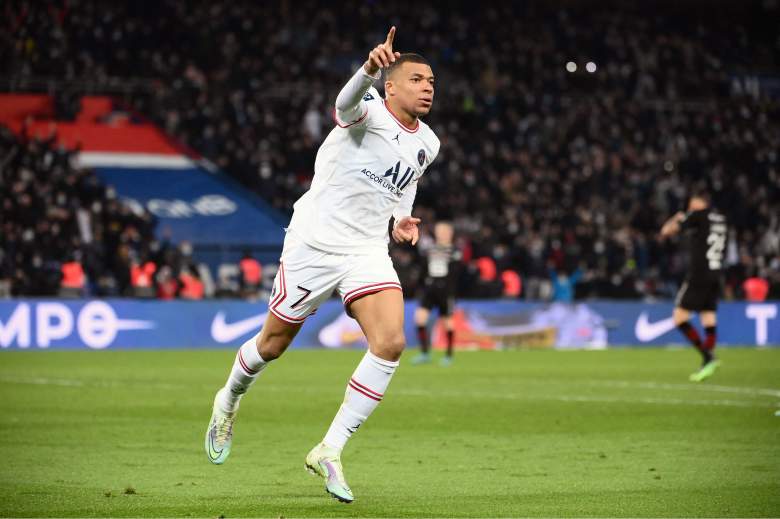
687	329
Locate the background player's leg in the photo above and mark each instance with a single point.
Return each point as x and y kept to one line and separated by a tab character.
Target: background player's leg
448	326
381	316
447	306
682	318
709	321
253	356
710	364
421	316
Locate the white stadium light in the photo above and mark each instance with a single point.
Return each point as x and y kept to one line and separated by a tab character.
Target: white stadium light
571	66
590	67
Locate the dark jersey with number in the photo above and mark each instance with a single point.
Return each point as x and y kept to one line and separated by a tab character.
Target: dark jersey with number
441	262
438	289
705	233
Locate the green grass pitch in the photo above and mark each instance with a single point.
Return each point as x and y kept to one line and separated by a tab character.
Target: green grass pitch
617	433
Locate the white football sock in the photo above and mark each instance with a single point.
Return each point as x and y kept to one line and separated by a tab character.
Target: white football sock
364	392
246	368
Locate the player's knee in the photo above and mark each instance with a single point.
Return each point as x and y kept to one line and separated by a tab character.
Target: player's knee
272	345
391	346
680	316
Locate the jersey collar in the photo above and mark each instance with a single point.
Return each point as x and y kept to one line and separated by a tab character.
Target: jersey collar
402	125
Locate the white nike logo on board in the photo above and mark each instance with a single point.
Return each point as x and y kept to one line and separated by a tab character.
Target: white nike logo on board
646	331
224	332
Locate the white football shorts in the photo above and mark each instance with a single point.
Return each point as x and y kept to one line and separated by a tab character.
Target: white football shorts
307	277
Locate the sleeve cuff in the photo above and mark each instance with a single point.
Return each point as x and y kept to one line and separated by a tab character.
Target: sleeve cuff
375	77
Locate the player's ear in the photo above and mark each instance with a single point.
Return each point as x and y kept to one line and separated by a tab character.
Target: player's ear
389	88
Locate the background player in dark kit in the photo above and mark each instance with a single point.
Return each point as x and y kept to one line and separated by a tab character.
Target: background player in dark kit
438	290
704	232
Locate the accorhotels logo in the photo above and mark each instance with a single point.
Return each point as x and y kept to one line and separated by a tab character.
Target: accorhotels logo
206	205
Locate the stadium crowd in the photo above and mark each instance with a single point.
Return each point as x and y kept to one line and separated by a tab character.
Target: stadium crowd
562	175
65	233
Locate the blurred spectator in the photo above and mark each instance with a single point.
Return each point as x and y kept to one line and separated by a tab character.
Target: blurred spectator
251	275
513	286
191	285
142	278
487	269
73	278
167	285
488	284
563	285
756	289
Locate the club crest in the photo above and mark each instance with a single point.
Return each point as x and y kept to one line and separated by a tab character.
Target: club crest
421	157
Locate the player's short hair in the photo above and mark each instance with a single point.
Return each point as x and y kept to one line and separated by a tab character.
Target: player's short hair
406	57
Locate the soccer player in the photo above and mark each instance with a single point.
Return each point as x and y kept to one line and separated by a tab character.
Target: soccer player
705	231
438	291
365	171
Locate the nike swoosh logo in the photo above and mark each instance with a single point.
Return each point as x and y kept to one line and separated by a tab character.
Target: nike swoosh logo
224	332
213	453
646	331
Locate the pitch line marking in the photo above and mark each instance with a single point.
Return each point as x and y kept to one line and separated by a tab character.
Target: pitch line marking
584	399
470	394
92	382
753	391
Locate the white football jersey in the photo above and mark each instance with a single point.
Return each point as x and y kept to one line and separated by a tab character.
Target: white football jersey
366	171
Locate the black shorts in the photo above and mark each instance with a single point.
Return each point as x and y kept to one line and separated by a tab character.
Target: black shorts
699	295
437	297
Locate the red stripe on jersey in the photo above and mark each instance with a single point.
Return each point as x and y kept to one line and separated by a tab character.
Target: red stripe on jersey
336	119
285	318
410	130
369	286
369	292
281	284
275	308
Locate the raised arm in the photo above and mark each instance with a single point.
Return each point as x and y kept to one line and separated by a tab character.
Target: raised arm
672	225
349	101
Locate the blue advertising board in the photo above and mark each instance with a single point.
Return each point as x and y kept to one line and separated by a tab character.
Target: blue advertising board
129	324
199	206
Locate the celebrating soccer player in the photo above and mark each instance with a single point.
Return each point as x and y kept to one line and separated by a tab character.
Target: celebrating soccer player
366	172
705	232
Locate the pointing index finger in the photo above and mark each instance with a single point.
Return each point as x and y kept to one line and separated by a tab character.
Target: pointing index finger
390	36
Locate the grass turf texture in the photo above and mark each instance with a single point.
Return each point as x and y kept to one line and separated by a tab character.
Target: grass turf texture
614	433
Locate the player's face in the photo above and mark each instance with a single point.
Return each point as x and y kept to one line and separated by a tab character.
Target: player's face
412	87
697	204
443	233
